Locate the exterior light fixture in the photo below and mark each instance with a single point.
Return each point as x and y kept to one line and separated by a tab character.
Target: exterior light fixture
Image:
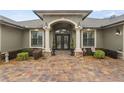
118	32
36	29
88	29
45	25
79	25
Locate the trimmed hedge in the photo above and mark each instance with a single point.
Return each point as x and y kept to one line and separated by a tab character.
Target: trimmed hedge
31	52
22	56
99	54
37	53
109	53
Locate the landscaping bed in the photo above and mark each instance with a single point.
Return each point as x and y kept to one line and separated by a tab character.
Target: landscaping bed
109	53
36	53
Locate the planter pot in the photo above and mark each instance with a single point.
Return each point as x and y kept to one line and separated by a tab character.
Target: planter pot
53	52
72	52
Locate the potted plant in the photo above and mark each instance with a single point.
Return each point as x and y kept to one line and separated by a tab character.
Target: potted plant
72	47
53	48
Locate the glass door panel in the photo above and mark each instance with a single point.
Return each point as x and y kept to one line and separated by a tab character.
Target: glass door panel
62	41
58	42
66	41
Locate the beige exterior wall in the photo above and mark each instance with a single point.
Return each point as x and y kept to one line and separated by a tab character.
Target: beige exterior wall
99	39
111	40
11	38
25	39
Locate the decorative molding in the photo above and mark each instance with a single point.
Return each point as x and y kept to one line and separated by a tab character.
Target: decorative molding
30	38
62	19
95	38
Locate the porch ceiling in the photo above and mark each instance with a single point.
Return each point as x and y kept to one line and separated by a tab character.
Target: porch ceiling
83	13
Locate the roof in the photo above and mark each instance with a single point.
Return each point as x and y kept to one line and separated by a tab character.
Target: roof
98	23
38	23
6	20
62	11
41	13
87	22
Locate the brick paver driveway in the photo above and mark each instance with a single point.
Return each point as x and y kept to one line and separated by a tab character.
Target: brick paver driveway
63	67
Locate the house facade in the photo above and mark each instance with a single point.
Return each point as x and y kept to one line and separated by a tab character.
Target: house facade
59	29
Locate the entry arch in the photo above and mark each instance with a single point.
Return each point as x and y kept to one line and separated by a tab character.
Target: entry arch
62	19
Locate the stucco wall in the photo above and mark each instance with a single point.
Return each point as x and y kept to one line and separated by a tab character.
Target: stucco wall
11	38
112	41
49	19
26	39
99	39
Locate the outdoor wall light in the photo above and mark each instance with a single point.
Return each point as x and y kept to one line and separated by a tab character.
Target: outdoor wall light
79	25
88	29
118	32
36	29
45	25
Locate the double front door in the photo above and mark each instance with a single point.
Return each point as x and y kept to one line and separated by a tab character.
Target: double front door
62	41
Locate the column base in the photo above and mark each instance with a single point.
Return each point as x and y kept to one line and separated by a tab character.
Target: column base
78	52
47	54
48	50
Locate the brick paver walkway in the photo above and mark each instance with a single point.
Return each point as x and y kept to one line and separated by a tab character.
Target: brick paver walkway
63	67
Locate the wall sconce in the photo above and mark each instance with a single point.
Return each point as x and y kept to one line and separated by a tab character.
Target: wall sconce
79	25
45	25
88	29
118	32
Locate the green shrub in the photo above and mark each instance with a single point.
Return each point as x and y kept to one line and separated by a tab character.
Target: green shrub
22	56
99	54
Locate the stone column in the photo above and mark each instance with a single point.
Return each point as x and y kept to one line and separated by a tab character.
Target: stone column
78	49
47	42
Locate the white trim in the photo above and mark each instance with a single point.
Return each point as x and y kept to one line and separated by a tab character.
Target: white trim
78	40
95	38
0	38
12	25
47	40
30	38
62	19
82	46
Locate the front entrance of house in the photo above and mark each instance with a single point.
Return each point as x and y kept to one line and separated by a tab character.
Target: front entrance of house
62	33
62	41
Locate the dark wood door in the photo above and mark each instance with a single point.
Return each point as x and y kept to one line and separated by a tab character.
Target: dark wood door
62	41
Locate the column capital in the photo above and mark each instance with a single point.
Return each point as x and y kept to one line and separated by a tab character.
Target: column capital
77	28
46	28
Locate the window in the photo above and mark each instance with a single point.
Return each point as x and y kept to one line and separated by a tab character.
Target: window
62	31
36	39
88	39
